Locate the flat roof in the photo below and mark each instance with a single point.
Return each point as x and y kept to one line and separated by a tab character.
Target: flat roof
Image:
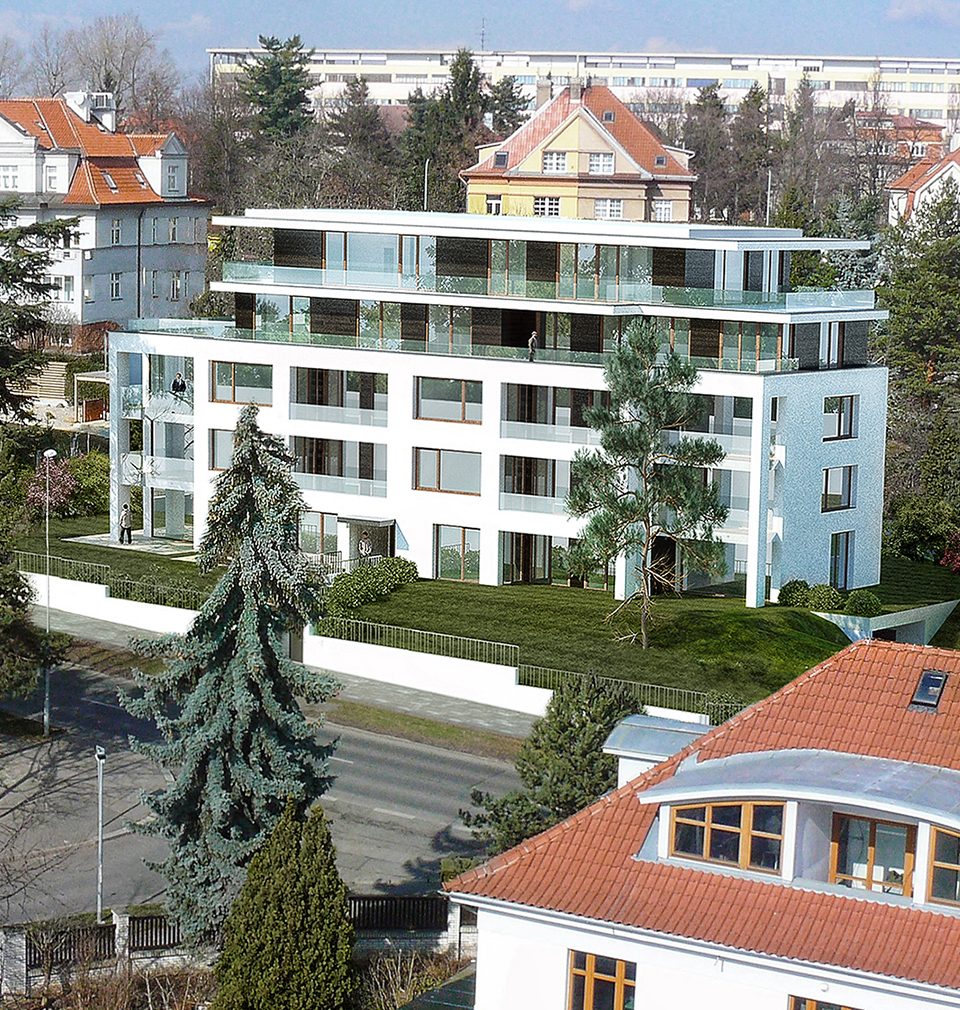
648	736
641	233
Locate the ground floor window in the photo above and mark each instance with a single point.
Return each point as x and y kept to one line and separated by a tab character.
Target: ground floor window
456	553
533	558
841	559
318	532
601	983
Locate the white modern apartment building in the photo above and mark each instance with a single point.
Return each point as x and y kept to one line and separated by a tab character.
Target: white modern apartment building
390	351
925	88
141	241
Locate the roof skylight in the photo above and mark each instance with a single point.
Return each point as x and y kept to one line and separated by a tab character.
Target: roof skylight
108	179
929	689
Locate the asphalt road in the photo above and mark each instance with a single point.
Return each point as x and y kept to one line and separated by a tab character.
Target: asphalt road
393	807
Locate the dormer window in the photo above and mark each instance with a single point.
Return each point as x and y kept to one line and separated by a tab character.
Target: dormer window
173	178
873	855
660	161
500	159
747	835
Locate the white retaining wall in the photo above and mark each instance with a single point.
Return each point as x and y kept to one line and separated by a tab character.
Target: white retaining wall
484	683
87	599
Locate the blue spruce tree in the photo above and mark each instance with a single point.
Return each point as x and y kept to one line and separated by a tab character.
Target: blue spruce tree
233	734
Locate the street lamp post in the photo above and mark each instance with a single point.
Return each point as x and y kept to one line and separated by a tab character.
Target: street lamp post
101	760
426	168
48	456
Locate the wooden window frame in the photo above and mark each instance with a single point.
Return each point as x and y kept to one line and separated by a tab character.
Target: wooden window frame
463	401
439	489
869	884
589	974
463	552
233	381
805	1003
745	832
934	863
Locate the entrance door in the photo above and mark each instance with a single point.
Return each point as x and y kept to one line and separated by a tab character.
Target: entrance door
664	557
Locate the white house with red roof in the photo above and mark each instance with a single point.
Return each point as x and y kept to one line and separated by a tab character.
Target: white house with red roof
583	154
920	183
805	855
141	243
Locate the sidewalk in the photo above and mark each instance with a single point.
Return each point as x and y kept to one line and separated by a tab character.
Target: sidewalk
359	689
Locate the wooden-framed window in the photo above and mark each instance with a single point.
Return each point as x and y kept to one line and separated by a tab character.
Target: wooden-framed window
446	470
748	835
945	867
457	553
601	983
449	400
872	855
801	1003
233	382
221	449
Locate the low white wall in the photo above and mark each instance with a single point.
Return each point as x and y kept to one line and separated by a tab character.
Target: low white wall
484	683
86	599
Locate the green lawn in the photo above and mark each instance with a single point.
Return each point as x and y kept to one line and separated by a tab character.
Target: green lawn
135	564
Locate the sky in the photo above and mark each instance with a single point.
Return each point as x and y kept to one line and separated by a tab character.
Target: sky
810	27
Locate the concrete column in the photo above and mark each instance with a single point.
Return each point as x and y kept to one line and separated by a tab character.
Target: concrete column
491	568
121	925
759	504
119	437
13	962
175	514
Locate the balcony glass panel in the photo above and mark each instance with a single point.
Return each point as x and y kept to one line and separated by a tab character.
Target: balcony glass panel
131	401
341	485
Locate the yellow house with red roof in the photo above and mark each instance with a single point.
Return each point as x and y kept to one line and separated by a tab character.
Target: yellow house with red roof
583	154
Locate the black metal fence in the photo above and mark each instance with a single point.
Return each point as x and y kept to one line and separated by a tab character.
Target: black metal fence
153	932
399	911
54	948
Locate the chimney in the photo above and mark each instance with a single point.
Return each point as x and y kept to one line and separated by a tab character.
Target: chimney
576	89
544	90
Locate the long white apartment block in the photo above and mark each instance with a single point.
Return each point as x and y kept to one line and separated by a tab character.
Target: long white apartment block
389	351
922	87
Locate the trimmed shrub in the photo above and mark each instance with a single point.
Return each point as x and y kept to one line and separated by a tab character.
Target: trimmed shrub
863	603
825	598
398	571
366	583
794	593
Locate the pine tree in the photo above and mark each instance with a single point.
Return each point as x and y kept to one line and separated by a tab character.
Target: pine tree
707	135
750	143
854	269
288	940
276	86
25	288
640	485
509	106
561	764
226	704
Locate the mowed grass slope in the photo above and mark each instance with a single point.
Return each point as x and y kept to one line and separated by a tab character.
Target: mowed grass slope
705	644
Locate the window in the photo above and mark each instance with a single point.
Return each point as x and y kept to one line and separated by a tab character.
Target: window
66	289
318	532
154	283
495	204
9	177
554	162
663	210
872	855
115	286
154	230
929	689
176	278
457	553
841	559
748	835
173	178
447	470
116	231
609	115
449	400
500	159
50	178
799	1003
660	161
601	983
945	871
600	163
839	488
238	383
546	206
221	449
839	417
607	209
173	229
110	181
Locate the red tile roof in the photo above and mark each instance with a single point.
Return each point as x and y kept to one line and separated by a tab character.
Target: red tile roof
857	702
629	132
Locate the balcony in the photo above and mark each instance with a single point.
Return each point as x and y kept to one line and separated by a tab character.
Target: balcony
131	402
167	468
534	503
733	444
549	432
604	291
376	417
164	405
371	488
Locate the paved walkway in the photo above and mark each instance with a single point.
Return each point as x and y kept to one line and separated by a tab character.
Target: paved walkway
369	692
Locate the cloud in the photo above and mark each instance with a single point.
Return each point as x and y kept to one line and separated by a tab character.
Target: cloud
196	24
946	12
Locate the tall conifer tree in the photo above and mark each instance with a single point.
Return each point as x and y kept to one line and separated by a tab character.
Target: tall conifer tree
226	704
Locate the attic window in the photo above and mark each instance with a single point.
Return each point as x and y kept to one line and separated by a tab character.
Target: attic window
108	179
609	115
140	179
660	161
500	159
929	689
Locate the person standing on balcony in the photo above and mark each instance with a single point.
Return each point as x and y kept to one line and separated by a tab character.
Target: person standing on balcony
532	345
126	524
179	386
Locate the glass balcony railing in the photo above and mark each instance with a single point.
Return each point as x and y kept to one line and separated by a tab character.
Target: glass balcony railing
602	290
733	444
131	468
221	330
377	417
131	401
163	403
534	503
160	468
375	488
549	432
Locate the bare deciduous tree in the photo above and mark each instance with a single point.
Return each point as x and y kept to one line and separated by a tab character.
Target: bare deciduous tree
51	68
665	108
12	65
